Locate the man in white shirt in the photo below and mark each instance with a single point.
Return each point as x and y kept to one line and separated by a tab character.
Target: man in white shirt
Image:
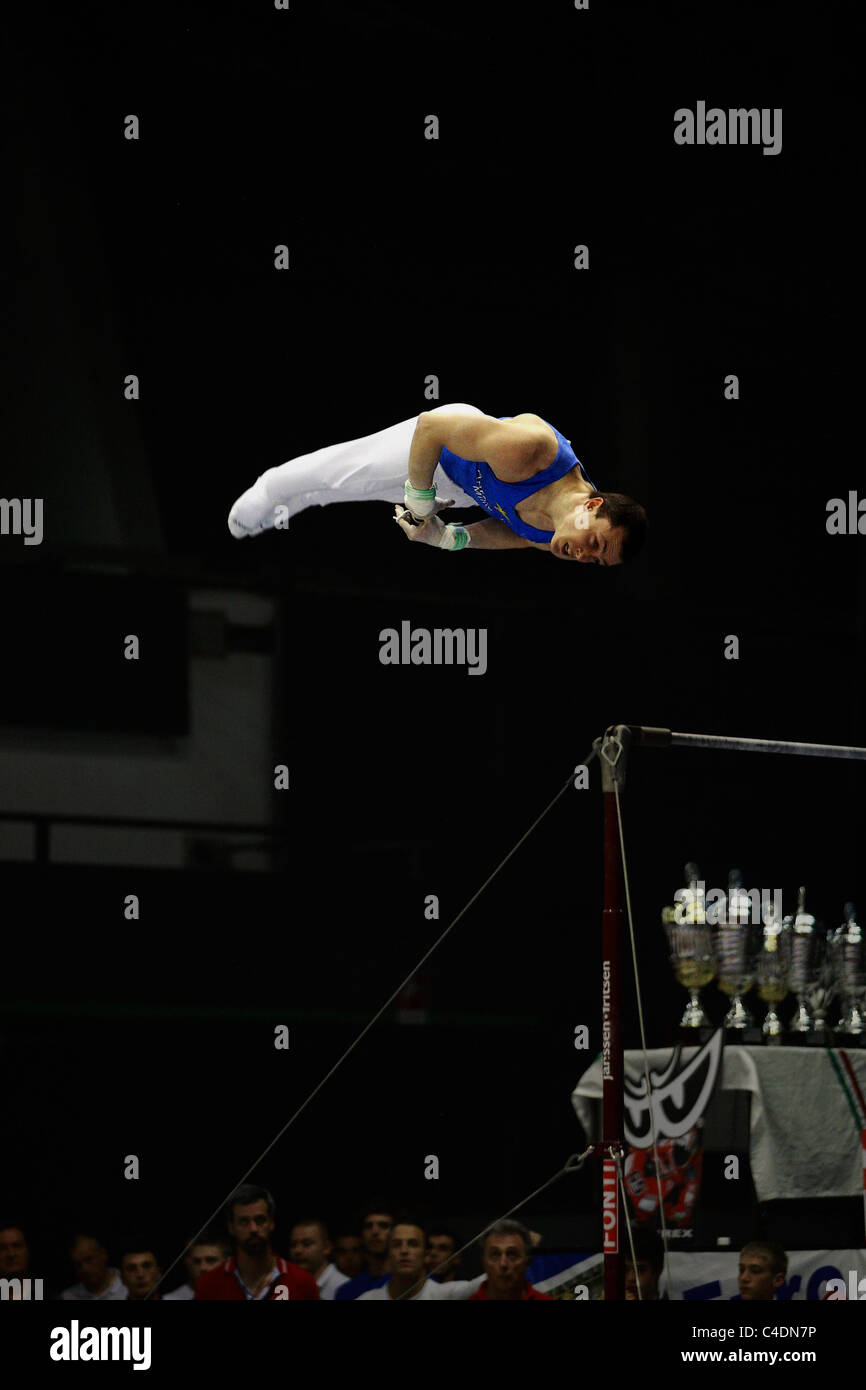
97	1280
441	1245
407	1249
310	1247
205	1254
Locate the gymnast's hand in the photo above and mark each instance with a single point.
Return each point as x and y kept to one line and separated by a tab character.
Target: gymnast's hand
423	502
432	531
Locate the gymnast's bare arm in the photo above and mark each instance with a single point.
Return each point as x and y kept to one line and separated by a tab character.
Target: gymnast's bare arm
514	449
495	535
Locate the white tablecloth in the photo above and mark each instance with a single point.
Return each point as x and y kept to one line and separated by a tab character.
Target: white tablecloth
803	1141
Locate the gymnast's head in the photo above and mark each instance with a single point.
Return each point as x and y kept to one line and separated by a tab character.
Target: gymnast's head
606	529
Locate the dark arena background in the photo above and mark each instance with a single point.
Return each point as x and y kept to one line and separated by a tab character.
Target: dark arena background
171	900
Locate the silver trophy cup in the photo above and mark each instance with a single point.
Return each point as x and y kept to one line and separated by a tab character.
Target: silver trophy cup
804	965
848	951
735	944
772	972
821	991
690	944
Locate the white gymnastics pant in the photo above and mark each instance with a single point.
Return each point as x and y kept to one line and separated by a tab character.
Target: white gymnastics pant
370	469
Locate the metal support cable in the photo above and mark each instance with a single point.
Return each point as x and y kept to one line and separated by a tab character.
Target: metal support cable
394	994
572	1165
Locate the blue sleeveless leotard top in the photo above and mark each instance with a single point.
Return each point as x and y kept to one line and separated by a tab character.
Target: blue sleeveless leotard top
500	499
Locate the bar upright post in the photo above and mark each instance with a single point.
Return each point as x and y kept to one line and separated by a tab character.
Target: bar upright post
613	751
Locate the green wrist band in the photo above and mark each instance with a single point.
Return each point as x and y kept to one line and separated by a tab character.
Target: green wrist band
420	494
460	535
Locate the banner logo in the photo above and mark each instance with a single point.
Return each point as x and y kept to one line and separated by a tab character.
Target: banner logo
679	1096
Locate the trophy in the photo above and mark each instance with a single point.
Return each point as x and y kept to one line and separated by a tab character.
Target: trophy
735	944
820	992
804	962
773	965
849	968
690	945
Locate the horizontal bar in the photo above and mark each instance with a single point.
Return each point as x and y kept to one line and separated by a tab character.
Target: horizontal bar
767	745
666	738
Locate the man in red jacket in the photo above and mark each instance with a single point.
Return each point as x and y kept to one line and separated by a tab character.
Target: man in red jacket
254	1271
507	1251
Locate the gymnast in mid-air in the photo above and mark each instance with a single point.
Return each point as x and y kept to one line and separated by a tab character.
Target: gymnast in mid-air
518	468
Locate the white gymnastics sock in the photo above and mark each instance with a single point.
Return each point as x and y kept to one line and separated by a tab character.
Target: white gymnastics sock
252	513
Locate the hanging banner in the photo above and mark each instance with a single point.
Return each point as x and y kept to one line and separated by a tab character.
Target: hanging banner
673	1114
713	1275
676	1181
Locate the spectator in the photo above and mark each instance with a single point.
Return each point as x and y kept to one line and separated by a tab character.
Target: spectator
763	1270
139	1270
407	1249
441	1244
15	1259
506	1251
206	1253
349	1255
254	1272
309	1247
14	1253
649	1256
374	1223
96	1278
